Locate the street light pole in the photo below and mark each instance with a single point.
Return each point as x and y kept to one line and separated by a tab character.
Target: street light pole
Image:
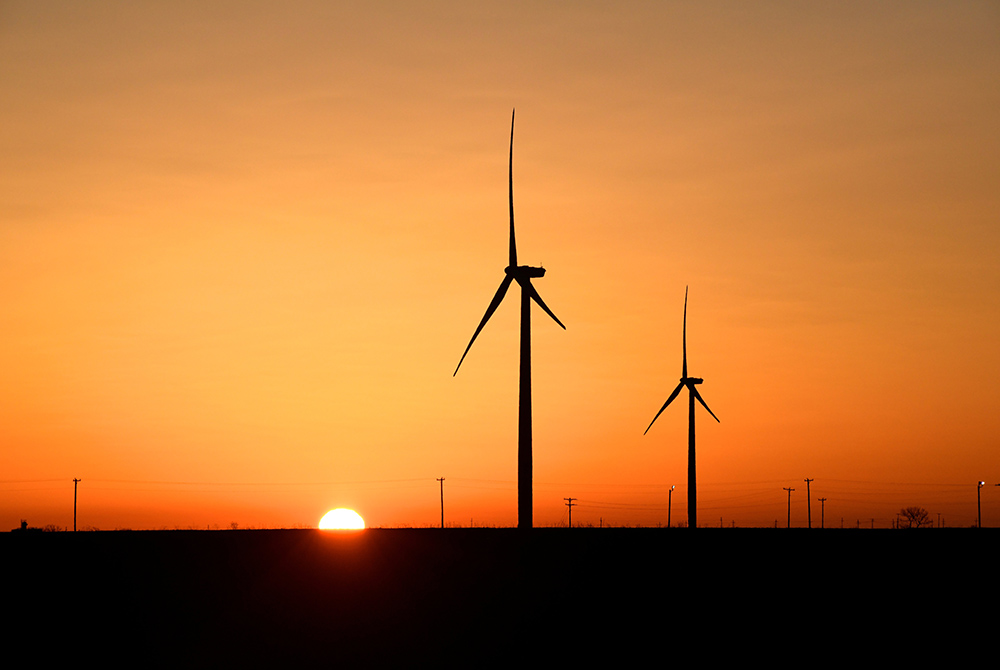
789	522
441	479
76	482
670	495
979	504
809	509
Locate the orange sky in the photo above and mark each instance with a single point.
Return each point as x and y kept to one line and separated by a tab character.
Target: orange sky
243	246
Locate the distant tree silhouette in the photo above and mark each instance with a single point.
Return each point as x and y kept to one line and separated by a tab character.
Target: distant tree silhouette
915	517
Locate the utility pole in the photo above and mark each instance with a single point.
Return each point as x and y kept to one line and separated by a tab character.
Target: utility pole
822	512
789	523
75	483
569	503
441	479
809	509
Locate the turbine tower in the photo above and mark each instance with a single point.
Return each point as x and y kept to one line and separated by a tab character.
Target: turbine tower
522	274
690	383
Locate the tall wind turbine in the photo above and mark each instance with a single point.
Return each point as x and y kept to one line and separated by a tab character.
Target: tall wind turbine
522	274
693	395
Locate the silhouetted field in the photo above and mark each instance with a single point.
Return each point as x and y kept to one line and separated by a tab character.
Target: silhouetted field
482	596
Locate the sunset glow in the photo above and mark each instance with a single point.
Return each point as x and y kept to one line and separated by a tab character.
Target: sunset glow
243	247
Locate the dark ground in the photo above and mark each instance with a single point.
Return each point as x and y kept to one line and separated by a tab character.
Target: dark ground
409	597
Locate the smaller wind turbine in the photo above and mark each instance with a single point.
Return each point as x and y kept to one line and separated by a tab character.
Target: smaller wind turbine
690	383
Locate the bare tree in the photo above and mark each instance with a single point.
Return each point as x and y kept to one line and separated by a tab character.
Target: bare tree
915	517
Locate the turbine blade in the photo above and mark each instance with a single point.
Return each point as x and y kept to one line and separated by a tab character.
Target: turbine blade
684	338
510	192
501	292
533	294
699	399
669	400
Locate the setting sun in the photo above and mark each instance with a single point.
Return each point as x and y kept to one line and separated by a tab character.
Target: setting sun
341	519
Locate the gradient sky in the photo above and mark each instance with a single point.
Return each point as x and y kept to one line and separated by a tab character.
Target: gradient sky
244	244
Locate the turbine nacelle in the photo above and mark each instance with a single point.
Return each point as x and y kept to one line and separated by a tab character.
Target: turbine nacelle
692	380
524	272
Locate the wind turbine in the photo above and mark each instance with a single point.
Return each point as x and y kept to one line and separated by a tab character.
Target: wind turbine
690	383
522	274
